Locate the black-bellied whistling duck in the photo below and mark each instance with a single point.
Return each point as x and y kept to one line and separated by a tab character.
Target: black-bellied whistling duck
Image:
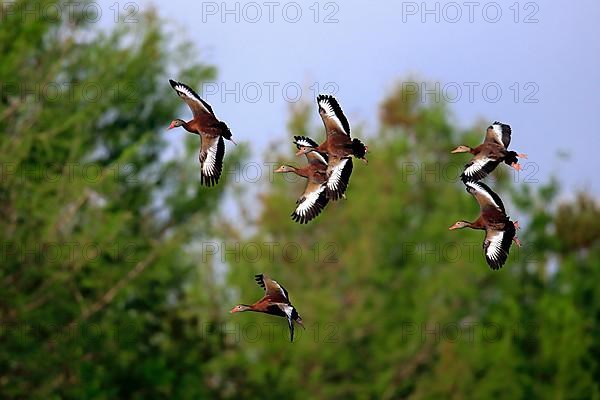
276	301
314	199
500	231
211	131
490	153
338	146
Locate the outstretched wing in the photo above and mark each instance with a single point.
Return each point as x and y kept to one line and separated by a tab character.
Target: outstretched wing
313	201
187	94
312	156
211	159
290	324
338	177
304	141
273	290
478	168
496	245
332	115
499	133
488	200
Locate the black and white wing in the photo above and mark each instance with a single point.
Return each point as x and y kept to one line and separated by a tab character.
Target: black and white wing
275	292
332	115
499	133
338	177
312	156
486	197
312	202
211	160
496	245
187	94
289	310
304	141
478	168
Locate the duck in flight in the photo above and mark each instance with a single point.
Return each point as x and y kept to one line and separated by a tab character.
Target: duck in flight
490	153
500	231
338	146
314	198
211	131
276	301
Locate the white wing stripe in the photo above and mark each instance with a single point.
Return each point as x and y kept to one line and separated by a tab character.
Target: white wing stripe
336	175
498	132
330	113
309	201
320	157
495	246
183	91
477	166
209	164
483	192
304	142
281	290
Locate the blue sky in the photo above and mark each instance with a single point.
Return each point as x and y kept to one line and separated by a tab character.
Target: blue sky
543	56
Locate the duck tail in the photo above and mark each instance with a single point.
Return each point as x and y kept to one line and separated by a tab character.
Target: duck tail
225	132
511	158
359	150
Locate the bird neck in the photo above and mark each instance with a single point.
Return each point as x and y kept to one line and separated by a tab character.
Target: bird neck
295	170
188	126
478	224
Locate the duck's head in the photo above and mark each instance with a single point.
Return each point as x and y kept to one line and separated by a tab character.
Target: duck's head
461	149
459	225
176	123
239	308
285	168
304	150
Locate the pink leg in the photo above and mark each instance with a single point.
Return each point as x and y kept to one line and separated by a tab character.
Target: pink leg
522	155
517	241
516	224
516	166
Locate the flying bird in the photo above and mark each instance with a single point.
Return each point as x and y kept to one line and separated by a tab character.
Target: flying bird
209	128
490	153
276	301
338	146
314	198
500	231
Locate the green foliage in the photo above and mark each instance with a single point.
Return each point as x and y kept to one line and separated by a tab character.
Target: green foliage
98	298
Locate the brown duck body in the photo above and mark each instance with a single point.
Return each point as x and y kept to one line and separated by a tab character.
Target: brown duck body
500	231
276	301
314	198
488	155
209	128
338	147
